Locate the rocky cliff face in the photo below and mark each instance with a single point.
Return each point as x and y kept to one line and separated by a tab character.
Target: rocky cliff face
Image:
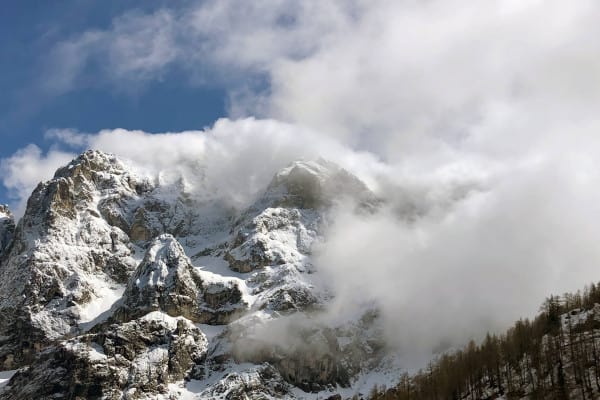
109	280
64	257
7	228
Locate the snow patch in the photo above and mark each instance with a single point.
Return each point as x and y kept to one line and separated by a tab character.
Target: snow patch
105	295
5	377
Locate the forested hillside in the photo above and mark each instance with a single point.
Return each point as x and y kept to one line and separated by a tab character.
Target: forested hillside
554	356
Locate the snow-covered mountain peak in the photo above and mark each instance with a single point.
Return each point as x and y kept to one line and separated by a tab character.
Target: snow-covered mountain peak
319	168
95	170
79	187
282	226
315	184
89	162
65	257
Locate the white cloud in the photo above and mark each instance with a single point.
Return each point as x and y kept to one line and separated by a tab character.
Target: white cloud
22	171
402	79
478	266
136	48
412	77
237	158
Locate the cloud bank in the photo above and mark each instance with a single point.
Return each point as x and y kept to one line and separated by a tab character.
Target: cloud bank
478	122
409	79
237	158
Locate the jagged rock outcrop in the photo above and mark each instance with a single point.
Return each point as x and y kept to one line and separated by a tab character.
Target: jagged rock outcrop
166	280
7	228
263	382
155	216
64	256
275	236
135	360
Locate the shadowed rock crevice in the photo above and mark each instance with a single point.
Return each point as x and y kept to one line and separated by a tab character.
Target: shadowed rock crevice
7	228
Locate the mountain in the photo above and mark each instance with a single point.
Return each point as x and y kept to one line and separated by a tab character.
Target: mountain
118	285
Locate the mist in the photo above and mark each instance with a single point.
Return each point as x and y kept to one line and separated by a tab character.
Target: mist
449	276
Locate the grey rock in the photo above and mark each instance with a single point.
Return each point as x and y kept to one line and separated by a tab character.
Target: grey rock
58	246
260	384
7	228
308	358
135	360
166	280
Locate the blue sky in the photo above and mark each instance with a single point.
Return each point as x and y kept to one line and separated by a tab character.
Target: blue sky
29	30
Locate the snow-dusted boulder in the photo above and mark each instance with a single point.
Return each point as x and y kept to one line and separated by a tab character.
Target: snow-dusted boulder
274	237
135	360
166	280
259	382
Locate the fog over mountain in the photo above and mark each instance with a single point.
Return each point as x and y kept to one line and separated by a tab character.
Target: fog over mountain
475	126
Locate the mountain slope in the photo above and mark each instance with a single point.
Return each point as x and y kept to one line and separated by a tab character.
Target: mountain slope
554	356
